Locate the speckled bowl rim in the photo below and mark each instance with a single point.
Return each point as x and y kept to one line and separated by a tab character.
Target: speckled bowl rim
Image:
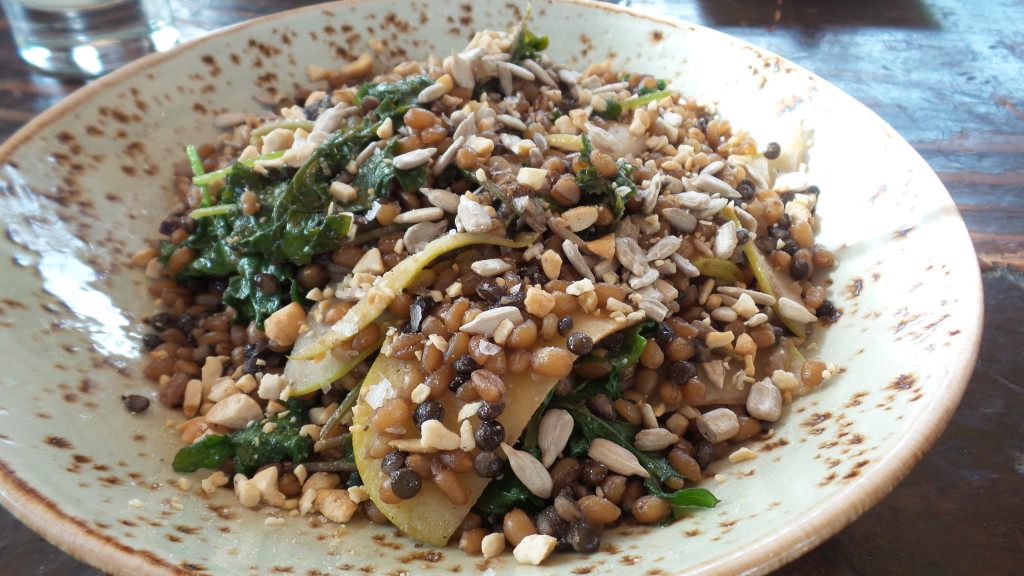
801	535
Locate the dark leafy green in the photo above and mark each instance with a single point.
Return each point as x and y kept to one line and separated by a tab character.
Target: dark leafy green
377	173
611	111
252	447
395	97
244	295
600	191
527	45
629	354
659	85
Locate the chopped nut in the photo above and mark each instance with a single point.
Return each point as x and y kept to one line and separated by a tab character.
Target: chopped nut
551	264
533	177
433	434
283	326
248	495
718	339
534	548
492	545
235	411
539	302
785	380
371	263
467	440
742	454
603	246
335	505
580	218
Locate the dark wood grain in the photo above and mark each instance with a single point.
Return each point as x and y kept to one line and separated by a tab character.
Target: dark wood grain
946	74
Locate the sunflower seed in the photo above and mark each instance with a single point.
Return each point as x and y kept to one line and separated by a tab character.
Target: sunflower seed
543	75
511	122
793	310
419	235
443	199
553	434
446	158
680	219
427	214
654	439
616	458
529	470
707	183
462	71
488	320
664	248
725	240
413	159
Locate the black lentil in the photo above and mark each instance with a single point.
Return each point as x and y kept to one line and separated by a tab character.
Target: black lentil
565	326
393	461
826	310
549	523
150	341
489	435
405	483
746	188
613	342
135	403
579	343
681	371
457	382
429	410
490	410
583	537
487	464
161	321
772	150
663	333
799	269
466	365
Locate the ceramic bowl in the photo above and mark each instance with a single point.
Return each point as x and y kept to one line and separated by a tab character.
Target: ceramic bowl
84	186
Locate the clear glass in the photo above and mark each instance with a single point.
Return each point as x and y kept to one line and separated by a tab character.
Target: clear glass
84	38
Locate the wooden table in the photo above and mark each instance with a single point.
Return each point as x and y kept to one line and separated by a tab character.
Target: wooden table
949	76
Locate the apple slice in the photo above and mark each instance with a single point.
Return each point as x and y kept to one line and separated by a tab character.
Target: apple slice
384	290
430	516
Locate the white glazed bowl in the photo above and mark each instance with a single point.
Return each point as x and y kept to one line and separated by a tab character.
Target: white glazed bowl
85	185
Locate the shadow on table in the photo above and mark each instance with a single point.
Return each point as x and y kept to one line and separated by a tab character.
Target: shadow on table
877	13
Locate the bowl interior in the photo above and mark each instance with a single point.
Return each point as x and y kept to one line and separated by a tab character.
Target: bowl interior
84	186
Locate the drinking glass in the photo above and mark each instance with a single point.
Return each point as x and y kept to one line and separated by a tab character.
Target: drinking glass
84	38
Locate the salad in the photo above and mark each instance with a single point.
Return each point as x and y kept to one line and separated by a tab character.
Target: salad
486	298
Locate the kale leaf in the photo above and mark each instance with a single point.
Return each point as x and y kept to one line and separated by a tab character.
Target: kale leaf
629	354
377	173
527	45
597	190
252	446
395	97
245	296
